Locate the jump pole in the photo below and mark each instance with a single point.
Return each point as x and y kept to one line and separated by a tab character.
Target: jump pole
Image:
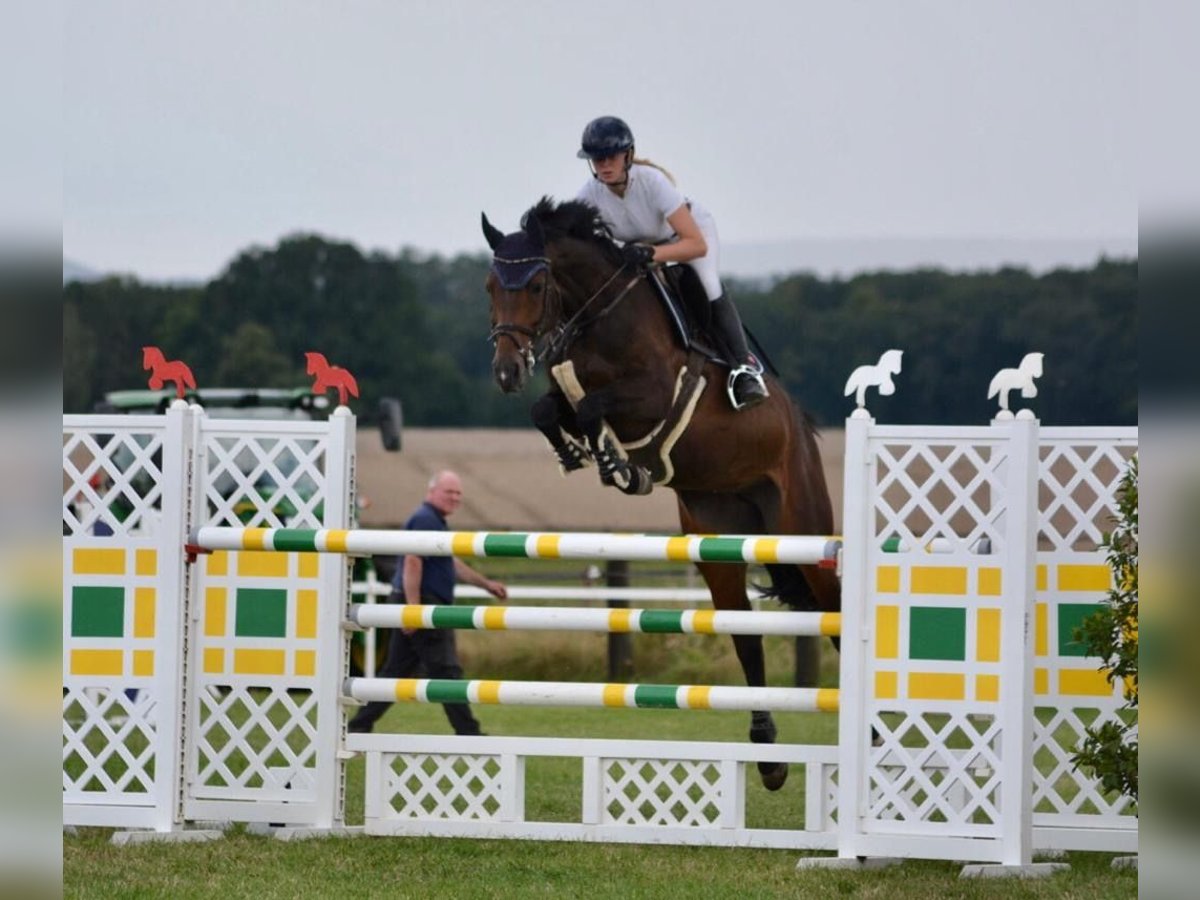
647	621
793	549
594	695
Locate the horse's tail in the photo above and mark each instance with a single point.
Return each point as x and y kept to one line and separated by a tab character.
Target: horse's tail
789	587
808	510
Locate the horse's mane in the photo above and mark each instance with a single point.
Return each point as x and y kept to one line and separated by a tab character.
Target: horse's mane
572	219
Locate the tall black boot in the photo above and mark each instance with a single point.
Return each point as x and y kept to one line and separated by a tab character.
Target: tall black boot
746	386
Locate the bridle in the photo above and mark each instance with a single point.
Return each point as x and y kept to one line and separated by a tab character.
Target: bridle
556	338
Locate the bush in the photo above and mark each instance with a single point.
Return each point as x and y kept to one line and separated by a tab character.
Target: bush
1110	749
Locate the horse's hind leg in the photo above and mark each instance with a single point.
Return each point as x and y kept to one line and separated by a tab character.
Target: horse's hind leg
727	583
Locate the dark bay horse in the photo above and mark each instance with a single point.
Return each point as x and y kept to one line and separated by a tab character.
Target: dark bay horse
622	398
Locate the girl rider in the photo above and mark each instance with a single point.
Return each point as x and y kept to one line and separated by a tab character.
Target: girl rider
640	204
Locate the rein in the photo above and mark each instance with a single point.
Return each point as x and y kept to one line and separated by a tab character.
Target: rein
564	334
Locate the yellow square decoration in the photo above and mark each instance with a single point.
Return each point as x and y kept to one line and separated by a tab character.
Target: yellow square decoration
987	635
887	632
887	685
310	565
1041	681
1041	633
217	563
262	564
1043	577
306	662
1096	578
1083	683
989	582
887	579
143	663
987	688
146	562
215	612
936	686
939	580
306	614
143	612
214	660
98	561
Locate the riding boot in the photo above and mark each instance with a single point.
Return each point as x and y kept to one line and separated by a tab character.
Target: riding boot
746	386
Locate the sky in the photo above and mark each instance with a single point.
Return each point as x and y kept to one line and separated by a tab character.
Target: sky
193	131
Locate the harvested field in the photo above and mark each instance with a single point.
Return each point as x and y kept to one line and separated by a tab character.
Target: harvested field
512	482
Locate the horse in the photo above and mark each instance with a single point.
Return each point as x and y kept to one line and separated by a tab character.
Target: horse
326	376
163	370
621	398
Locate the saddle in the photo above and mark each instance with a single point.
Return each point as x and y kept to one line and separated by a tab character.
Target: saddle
683	297
689	310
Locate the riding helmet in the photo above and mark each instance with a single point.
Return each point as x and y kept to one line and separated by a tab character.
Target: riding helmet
605	136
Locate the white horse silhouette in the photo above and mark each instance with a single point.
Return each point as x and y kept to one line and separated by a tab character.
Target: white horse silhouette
1021	377
878	375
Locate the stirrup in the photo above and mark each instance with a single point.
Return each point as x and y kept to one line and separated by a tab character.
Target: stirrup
754	373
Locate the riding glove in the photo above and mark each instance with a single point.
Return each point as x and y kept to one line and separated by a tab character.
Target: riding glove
638	256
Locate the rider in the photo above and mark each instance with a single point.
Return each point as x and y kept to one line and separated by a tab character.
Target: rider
642	207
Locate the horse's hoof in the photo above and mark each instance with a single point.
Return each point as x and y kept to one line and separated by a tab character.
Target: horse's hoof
640	483
773	775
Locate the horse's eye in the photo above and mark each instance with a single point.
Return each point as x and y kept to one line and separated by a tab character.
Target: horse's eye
537	287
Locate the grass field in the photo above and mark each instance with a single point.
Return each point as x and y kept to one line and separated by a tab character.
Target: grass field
246	865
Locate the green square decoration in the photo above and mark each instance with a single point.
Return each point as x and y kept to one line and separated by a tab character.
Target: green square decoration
1070	617
937	632
97	611
261	612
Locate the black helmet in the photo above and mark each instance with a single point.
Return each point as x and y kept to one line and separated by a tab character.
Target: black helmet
605	136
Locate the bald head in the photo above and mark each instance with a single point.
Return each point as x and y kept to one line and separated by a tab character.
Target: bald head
445	492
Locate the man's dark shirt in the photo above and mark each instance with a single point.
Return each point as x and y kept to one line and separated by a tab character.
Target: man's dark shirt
437	573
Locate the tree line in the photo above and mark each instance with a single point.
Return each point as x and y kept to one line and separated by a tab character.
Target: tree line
414	326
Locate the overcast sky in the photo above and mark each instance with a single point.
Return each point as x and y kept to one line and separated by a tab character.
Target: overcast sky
193	132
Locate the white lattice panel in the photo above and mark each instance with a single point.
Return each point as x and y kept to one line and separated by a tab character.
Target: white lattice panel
446	786
934	550
664	792
690	793
122	513
1079	474
266	676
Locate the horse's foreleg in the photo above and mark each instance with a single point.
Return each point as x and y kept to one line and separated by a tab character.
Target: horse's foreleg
615	469
553	417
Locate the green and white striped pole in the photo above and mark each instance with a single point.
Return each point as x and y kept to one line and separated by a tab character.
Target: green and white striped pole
598	695
649	621
796	549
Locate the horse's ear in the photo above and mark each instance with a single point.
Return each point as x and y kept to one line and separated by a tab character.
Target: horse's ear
533	228
493	234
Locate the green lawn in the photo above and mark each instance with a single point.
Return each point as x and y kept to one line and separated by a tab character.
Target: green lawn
245	865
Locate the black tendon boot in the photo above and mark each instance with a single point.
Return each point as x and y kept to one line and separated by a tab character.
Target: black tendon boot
746	386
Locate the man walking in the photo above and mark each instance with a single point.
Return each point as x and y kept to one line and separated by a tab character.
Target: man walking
429	579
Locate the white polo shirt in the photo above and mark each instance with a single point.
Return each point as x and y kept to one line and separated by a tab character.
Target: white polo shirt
641	215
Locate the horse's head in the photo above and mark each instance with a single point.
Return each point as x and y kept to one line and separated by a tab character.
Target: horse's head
519	287
151	356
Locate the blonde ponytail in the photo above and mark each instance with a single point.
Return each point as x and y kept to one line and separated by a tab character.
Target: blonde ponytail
645	162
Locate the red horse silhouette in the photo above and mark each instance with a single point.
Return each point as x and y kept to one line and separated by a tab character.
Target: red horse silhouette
328	376
162	371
